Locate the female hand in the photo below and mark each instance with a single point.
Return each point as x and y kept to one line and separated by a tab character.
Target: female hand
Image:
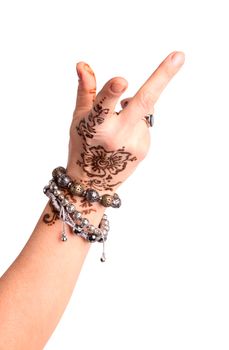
106	146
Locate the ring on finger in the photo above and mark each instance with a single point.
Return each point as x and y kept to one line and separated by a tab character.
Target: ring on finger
149	118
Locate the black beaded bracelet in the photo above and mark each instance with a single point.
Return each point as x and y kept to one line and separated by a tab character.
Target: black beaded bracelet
77	189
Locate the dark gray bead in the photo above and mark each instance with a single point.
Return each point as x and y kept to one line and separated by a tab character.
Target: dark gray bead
92	195
45	189
116	202
63	180
58	171
77	229
100	240
92	238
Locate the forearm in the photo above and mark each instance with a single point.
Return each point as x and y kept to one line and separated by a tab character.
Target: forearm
36	288
105	148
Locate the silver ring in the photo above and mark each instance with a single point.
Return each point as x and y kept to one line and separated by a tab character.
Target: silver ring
149	118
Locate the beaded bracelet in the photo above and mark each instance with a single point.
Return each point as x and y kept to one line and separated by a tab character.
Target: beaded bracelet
72	217
77	189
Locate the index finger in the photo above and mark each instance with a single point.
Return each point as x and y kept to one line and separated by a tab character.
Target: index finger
145	98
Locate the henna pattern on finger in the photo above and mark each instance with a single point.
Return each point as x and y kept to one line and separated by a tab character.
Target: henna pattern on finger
86	127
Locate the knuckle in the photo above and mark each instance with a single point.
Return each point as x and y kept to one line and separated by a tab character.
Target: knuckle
146	100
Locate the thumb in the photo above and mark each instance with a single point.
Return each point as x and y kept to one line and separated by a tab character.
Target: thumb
86	89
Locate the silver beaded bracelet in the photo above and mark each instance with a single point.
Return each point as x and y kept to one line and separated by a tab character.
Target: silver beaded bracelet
73	218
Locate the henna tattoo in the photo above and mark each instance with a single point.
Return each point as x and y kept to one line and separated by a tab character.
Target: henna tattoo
82	202
93	92
50	219
98	162
101	184
86	128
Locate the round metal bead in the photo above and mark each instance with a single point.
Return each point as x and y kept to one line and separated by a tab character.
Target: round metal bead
45	189
63	180
104	233
97	232
64	238
53	186
85	222
106	200
58	171
92	195
116	202
76	189
104	222
70	208
106	227
64	202
77	229
103	259
92	238
61	197
77	215
91	229
100	240
56	192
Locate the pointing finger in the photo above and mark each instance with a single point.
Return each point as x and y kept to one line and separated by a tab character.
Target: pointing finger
145	98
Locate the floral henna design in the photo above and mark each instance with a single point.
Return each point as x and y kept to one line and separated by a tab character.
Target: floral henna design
97	162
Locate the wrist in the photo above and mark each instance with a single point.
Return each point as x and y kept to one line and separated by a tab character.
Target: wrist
102	184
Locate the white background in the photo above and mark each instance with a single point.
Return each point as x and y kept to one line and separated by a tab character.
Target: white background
165	283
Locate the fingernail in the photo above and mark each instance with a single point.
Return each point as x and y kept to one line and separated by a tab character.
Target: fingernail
78	73
88	69
116	87
177	59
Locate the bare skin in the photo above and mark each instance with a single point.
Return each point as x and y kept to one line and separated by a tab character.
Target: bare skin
105	148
